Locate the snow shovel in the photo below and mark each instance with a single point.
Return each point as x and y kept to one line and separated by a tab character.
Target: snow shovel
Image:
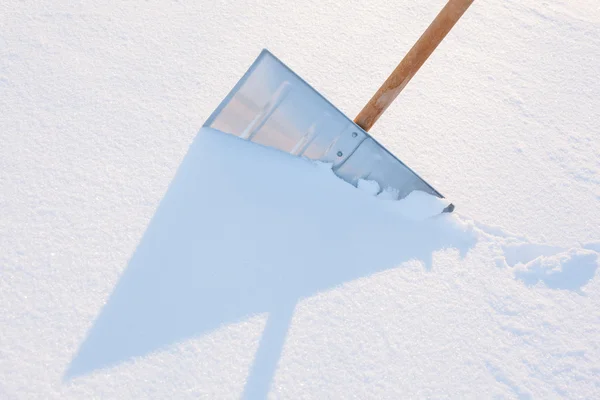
272	106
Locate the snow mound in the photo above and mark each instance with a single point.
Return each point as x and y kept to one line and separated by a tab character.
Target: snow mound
566	270
416	206
279	230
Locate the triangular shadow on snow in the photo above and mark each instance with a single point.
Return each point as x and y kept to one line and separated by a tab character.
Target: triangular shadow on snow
220	249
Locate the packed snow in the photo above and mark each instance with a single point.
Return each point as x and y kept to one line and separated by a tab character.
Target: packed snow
369	187
416	206
143	257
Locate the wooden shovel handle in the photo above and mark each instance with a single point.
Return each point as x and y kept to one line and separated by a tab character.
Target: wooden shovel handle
411	63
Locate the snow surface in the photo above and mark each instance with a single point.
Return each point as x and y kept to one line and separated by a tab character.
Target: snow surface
141	259
369	187
420	205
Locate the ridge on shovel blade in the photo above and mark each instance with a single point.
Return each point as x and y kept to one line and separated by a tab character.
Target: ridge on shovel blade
274	107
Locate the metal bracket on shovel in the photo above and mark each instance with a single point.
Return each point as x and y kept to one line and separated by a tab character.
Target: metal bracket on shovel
273	106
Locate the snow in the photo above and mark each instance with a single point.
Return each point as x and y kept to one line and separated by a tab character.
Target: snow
567	270
416	206
370	187
420	205
389	194
140	258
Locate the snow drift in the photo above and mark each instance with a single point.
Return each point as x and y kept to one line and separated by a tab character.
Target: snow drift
245	230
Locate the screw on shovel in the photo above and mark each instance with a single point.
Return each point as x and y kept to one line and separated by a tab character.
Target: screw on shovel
410	64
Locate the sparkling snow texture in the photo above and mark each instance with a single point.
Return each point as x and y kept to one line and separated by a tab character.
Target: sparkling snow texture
142	259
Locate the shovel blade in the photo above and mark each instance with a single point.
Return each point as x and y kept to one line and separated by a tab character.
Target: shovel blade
274	107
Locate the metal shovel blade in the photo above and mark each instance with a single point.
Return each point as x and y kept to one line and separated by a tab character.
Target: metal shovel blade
272	106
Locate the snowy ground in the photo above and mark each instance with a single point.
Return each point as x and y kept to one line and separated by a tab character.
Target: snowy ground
140	259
